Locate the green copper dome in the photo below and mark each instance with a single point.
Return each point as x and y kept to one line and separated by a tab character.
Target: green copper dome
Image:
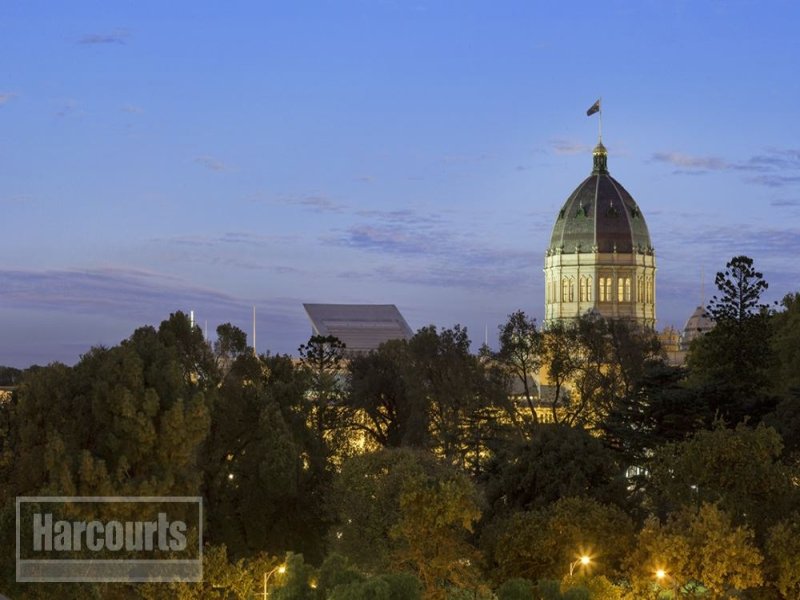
600	216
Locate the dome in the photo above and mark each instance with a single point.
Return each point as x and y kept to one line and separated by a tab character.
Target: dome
699	323
600	216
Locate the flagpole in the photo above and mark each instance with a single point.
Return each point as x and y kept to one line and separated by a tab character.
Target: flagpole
600	123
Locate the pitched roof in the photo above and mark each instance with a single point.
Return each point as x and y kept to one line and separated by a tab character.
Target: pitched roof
362	327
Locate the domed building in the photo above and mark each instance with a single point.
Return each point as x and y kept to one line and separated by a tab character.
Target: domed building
600	257
699	323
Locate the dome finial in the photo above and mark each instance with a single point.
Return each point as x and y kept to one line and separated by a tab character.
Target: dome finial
600	159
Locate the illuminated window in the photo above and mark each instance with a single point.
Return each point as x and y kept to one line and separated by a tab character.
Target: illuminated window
606	289
624	289
567	290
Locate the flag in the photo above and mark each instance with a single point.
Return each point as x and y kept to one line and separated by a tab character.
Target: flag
593	109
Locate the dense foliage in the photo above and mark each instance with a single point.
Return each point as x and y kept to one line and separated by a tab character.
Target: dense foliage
424	471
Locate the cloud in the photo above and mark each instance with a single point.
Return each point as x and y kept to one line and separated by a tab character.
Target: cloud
406	216
706	163
211	163
785	203
82	308
458	159
113	290
568	147
774	181
776	167
318	204
6	96
227	238
425	249
392	240
132	109
118	36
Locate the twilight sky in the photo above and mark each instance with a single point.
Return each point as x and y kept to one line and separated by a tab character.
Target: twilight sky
157	156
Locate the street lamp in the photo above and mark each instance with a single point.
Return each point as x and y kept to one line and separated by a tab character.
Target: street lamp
583	561
281	569
664	580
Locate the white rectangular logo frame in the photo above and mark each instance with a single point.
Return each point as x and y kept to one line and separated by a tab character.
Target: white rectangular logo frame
110	570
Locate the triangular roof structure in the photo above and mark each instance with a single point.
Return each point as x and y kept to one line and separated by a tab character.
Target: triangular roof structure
362	327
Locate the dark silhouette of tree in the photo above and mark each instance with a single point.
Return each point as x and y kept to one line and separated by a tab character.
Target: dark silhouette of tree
731	364
521	349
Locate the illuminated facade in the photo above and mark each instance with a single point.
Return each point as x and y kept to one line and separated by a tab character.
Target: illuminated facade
600	257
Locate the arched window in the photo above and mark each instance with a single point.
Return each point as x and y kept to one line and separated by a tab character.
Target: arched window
588	289
564	290
640	289
606	289
583	290
624	289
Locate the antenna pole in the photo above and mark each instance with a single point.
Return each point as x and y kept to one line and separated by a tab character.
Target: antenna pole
702	285
254	331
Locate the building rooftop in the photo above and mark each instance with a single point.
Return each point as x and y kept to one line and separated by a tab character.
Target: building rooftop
362	327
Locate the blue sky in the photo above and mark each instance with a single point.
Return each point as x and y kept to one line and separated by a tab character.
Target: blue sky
157	156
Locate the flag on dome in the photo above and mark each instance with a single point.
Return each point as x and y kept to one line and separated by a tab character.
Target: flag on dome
593	108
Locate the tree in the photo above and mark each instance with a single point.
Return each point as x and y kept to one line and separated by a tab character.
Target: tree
124	421
339	580
737	469
543	543
740	287
252	465
696	547
231	343
731	363
379	493
594	366
515	589
436	516
521	353
660	409
297	581
429	392
9	376
561	353
380	398
785	346
783	548
559	461
461	401
323	362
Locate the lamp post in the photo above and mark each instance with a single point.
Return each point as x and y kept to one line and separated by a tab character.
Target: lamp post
583	561
279	569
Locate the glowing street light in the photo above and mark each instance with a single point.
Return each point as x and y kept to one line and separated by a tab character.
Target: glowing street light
583	561
280	569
